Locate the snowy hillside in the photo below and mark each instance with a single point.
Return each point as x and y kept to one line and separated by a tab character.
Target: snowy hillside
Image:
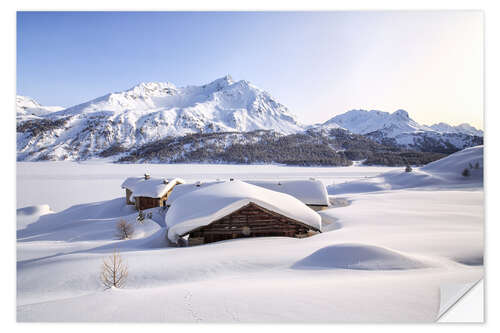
445	172
150	112
364	122
28	108
399	129
462	128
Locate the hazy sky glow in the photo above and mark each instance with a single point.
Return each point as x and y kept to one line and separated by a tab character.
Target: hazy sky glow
318	64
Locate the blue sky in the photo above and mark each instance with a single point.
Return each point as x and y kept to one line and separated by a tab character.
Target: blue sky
316	63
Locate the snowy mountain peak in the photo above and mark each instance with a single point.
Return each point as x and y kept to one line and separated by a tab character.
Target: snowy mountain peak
152	111
401	113
219	83
25	102
363	122
151	89
28	108
462	128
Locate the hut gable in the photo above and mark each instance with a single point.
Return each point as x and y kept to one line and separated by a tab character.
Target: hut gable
220	200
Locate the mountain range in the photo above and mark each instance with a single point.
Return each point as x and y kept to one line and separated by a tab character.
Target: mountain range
117	124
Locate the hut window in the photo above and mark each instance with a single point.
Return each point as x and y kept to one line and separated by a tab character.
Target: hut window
246	231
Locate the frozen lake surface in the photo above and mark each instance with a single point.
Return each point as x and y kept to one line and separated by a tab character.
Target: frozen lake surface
63	184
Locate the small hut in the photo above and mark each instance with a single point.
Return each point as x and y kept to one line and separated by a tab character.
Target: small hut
146	192
236	209
129	185
153	192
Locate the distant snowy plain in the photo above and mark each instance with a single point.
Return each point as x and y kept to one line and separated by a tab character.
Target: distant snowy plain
383	255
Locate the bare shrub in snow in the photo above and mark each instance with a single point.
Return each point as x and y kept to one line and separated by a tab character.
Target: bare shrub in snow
124	229
140	217
114	271
466	172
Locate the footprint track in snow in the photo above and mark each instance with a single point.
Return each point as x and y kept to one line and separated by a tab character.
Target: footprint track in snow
189	306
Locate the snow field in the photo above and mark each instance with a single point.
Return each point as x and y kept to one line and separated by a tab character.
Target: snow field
383	255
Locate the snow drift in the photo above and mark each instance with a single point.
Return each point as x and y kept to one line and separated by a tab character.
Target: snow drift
357	256
444	172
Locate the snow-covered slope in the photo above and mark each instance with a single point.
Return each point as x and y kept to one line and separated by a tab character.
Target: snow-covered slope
385	260
462	128
160	108
445	172
453	165
363	122
150	112
122	122
399	128
28	108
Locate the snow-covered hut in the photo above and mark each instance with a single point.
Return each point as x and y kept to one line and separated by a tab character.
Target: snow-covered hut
146	192
236	209
312	192
128	184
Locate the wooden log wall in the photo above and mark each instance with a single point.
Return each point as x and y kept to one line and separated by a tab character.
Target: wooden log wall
142	203
250	221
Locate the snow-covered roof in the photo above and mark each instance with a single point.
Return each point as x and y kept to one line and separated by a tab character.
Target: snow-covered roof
204	206
153	187
310	192
183	189
130	182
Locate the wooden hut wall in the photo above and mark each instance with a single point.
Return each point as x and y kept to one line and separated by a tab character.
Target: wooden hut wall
142	203
128	194
250	221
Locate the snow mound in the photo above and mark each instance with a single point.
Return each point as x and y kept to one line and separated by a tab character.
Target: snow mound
202	207
30	214
357	256
455	163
